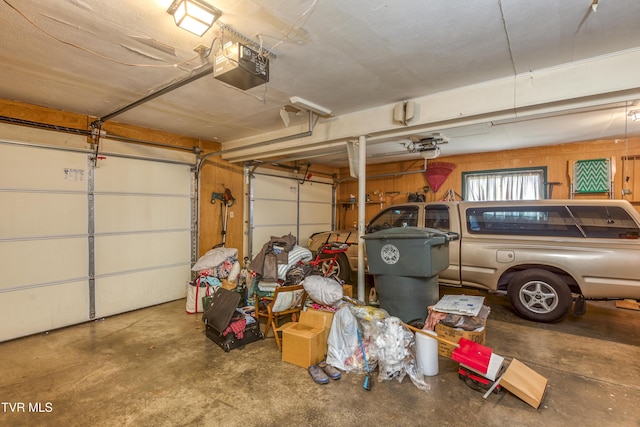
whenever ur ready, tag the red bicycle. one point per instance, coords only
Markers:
(327, 259)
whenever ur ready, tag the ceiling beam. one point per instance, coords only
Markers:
(613, 78)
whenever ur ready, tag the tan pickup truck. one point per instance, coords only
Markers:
(543, 253)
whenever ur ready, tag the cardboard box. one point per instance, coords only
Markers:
(454, 335)
(319, 318)
(525, 383)
(347, 290)
(302, 344)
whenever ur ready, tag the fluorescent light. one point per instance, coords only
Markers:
(430, 153)
(301, 103)
(194, 16)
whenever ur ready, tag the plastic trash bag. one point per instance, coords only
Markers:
(395, 347)
(343, 339)
(323, 290)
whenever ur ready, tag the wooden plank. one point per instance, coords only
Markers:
(628, 304)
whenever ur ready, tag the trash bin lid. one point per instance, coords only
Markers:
(409, 233)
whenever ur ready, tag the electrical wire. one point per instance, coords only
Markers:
(211, 47)
(235, 61)
(295, 23)
(513, 64)
(99, 55)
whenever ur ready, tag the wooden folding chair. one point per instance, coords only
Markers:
(286, 301)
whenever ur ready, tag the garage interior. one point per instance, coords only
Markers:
(122, 137)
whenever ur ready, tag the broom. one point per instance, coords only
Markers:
(368, 381)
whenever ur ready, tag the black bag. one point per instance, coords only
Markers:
(415, 197)
(219, 316)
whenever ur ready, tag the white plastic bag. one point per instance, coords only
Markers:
(323, 290)
(235, 271)
(343, 338)
(214, 258)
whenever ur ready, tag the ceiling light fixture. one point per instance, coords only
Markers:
(194, 16)
(301, 103)
(635, 115)
(430, 153)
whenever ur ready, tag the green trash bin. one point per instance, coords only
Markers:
(405, 263)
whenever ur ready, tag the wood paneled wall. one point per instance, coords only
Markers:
(215, 176)
(557, 159)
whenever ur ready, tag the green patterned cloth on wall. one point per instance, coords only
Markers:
(592, 176)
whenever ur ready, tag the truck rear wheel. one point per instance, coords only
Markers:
(539, 295)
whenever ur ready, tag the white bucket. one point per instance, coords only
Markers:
(427, 353)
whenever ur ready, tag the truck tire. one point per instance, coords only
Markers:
(539, 295)
(340, 269)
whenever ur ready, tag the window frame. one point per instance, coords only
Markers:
(541, 169)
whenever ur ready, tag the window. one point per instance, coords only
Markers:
(506, 184)
(522, 220)
(605, 222)
(437, 217)
(403, 216)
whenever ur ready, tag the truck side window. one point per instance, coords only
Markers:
(437, 217)
(522, 220)
(605, 222)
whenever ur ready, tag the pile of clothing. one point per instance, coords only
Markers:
(275, 259)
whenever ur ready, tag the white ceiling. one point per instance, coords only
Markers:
(486, 74)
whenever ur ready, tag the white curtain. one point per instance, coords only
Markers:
(514, 185)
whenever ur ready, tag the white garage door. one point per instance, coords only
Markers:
(68, 255)
(142, 233)
(281, 205)
(43, 240)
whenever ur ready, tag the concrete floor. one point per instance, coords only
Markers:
(154, 367)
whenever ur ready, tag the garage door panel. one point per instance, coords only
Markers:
(117, 174)
(314, 213)
(42, 261)
(141, 217)
(275, 212)
(42, 214)
(33, 310)
(143, 213)
(263, 235)
(126, 292)
(121, 253)
(314, 192)
(281, 205)
(275, 187)
(313, 218)
(32, 168)
(143, 244)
